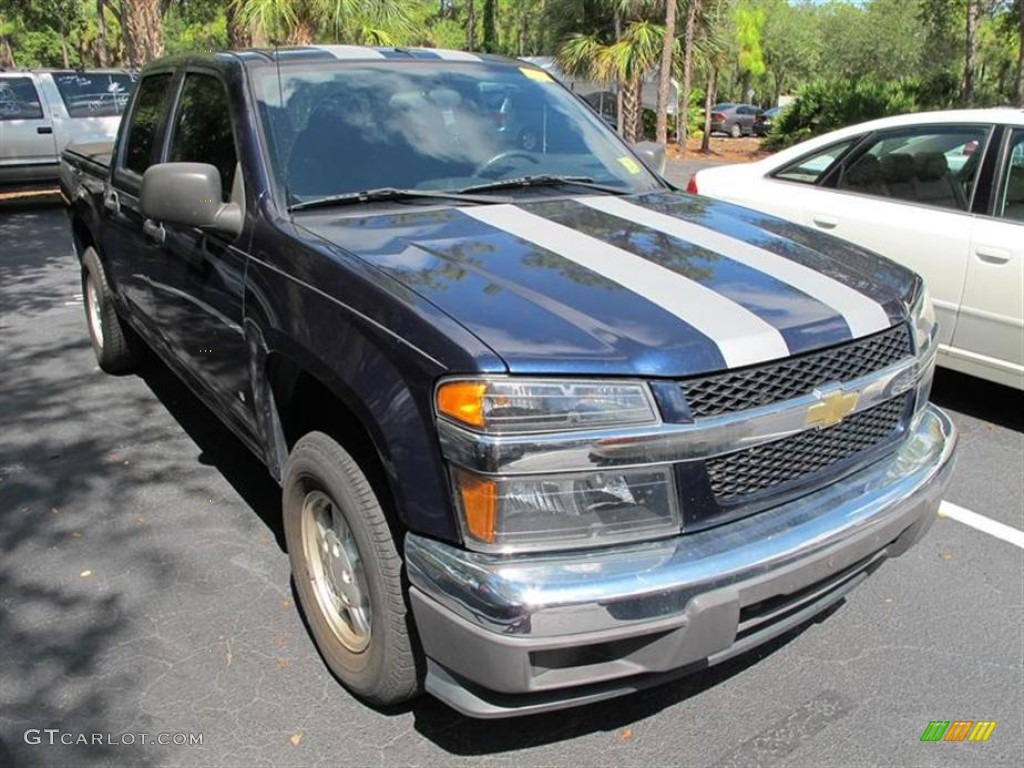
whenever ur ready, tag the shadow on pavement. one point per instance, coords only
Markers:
(58, 622)
(220, 447)
(979, 398)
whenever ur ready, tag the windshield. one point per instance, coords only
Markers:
(94, 94)
(336, 129)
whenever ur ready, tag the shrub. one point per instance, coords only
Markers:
(826, 105)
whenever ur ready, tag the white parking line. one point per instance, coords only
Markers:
(982, 523)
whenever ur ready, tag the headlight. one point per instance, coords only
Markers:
(555, 510)
(559, 511)
(923, 320)
(503, 406)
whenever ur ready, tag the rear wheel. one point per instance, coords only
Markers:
(347, 571)
(115, 348)
(735, 131)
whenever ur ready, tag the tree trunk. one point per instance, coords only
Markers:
(471, 25)
(102, 56)
(632, 109)
(709, 102)
(490, 22)
(63, 44)
(6, 54)
(238, 34)
(689, 38)
(1020, 58)
(665, 76)
(302, 33)
(142, 30)
(620, 101)
(970, 49)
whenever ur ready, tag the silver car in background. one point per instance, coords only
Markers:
(41, 112)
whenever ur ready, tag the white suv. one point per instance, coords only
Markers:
(41, 112)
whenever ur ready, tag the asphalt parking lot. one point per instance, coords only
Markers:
(144, 590)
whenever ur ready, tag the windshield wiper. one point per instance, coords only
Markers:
(543, 180)
(384, 194)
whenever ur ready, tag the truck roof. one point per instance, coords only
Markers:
(341, 53)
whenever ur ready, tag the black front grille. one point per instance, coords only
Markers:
(765, 466)
(795, 376)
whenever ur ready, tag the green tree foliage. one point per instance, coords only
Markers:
(756, 50)
(749, 19)
(825, 105)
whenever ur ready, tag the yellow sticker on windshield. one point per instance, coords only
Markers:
(629, 164)
(536, 74)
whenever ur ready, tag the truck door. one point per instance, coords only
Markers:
(131, 256)
(28, 151)
(200, 288)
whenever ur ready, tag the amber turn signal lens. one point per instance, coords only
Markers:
(462, 401)
(479, 498)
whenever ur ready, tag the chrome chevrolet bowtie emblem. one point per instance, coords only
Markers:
(833, 407)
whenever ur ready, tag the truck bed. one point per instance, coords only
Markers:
(94, 156)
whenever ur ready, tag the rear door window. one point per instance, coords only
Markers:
(145, 121)
(94, 94)
(924, 164)
(19, 99)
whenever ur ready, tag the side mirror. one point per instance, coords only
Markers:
(653, 155)
(189, 194)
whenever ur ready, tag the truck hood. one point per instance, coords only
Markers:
(660, 284)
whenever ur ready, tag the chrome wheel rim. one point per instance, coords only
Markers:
(93, 312)
(336, 571)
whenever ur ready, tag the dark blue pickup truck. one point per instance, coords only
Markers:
(548, 430)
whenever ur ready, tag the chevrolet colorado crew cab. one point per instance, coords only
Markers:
(548, 430)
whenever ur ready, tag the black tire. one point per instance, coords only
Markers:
(735, 131)
(116, 349)
(321, 475)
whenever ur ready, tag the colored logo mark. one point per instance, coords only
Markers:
(958, 730)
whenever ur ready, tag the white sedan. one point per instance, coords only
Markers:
(940, 192)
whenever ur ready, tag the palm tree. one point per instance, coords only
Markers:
(624, 61)
(299, 22)
(690, 31)
(142, 30)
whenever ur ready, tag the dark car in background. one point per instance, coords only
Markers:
(734, 119)
(763, 122)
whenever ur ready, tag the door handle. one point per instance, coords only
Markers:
(110, 202)
(825, 222)
(992, 255)
(44, 129)
(154, 231)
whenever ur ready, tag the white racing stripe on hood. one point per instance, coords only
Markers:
(741, 336)
(863, 314)
(449, 55)
(349, 51)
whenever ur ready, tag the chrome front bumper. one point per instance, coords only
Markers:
(507, 635)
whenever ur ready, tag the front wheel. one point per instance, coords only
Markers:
(347, 572)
